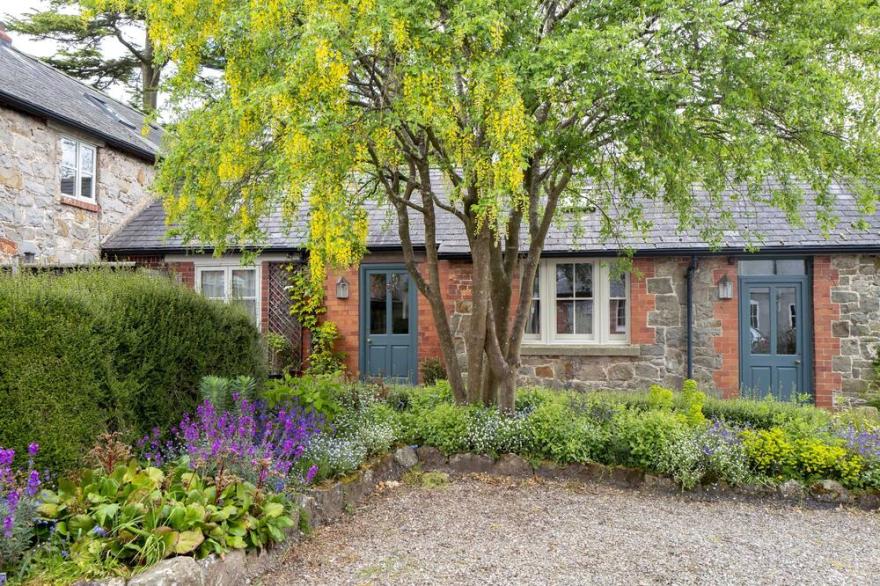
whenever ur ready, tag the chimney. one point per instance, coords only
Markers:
(5, 39)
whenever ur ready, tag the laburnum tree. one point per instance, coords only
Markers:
(529, 110)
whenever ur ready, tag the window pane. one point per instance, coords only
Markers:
(786, 320)
(795, 266)
(87, 159)
(214, 284)
(68, 153)
(533, 323)
(617, 313)
(536, 285)
(377, 304)
(583, 317)
(86, 186)
(756, 267)
(564, 280)
(564, 317)
(759, 317)
(618, 287)
(68, 181)
(583, 280)
(244, 283)
(399, 303)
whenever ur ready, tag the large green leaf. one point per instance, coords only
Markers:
(188, 541)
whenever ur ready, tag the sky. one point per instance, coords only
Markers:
(18, 8)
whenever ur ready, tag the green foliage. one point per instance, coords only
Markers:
(692, 402)
(136, 516)
(220, 390)
(766, 413)
(316, 392)
(307, 306)
(638, 438)
(432, 371)
(444, 427)
(323, 358)
(660, 397)
(779, 454)
(96, 351)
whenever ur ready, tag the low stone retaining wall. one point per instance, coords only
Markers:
(324, 504)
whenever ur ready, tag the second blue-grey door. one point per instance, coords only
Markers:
(388, 324)
(773, 340)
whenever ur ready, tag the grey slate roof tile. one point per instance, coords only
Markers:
(147, 230)
(26, 79)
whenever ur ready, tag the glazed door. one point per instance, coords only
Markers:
(388, 324)
(773, 342)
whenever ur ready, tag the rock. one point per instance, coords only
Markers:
(101, 582)
(629, 477)
(328, 504)
(792, 490)
(406, 456)
(470, 463)
(869, 501)
(830, 491)
(226, 571)
(179, 571)
(430, 457)
(358, 487)
(512, 465)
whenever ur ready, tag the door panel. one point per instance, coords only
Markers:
(772, 338)
(388, 309)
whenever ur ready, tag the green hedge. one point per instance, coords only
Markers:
(92, 351)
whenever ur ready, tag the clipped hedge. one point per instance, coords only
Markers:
(92, 351)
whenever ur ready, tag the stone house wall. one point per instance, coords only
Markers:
(32, 208)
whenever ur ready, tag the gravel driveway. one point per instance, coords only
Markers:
(494, 531)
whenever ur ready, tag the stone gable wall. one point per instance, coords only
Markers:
(32, 208)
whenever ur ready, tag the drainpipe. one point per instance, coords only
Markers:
(692, 267)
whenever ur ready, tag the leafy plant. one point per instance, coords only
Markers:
(317, 393)
(323, 358)
(139, 515)
(432, 371)
(221, 391)
(307, 306)
(701, 455)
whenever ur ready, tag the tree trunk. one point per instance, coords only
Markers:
(150, 76)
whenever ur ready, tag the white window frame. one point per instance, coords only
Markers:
(601, 306)
(79, 172)
(227, 269)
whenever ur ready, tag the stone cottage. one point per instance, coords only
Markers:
(74, 163)
(802, 316)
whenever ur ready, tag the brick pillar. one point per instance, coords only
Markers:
(826, 345)
(642, 303)
(726, 343)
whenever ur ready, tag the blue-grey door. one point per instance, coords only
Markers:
(773, 336)
(388, 323)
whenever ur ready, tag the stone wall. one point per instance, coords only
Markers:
(32, 208)
(657, 353)
(856, 295)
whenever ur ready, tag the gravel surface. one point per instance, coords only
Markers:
(481, 530)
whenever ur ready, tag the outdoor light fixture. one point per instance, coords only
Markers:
(341, 288)
(725, 288)
(28, 252)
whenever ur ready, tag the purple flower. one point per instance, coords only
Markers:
(310, 475)
(99, 531)
(33, 449)
(33, 483)
(7, 526)
(2, 578)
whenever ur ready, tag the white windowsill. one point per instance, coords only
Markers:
(532, 349)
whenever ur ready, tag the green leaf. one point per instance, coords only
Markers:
(272, 510)
(187, 541)
(106, 512)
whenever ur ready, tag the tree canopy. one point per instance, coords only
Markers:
(522, 104)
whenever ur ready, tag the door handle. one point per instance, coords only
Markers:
(797, 361)
(369, 340)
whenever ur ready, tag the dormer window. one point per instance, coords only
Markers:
(78, 169)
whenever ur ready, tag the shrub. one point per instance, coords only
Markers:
(705, 454)
(375, 426)
(432, 371)
(493, 433)
(766, 413)
(92, 351)
(637, 439)
(444, 427)
(333, 456)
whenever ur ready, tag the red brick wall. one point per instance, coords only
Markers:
(642, 303)
(726, 344)
(826, 345)
(344, 313)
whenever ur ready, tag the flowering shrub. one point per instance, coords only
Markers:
(328, 456)
(18, 491)
(249, 441)
(713, 453)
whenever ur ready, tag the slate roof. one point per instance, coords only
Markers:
(30, 85)
(757, 224)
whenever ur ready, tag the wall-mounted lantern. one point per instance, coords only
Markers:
(725, 288)
(341, 288)
(28, 252)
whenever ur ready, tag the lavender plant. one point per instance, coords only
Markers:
(18, 501)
